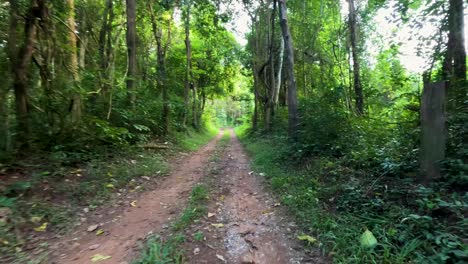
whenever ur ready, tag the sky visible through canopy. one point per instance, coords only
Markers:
(385, 33)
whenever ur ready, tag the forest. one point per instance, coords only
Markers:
(233, 131)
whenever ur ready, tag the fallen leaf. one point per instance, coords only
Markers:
(220, 257)
(196, 251)
(91, 228)
(218, 225)
(99, 232)
(99, 257)
(368, 239)
(133, 204)
(211, 214)
(308, 238)
(41, 228)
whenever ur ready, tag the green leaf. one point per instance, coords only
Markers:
(99, 257)
(41, 228)
(368, 239)
(308, 238)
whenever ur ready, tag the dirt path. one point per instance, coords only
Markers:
(243, 225)
(253, 229)
(153, 210)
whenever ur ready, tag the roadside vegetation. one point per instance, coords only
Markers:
(336, 198)
(366, 150)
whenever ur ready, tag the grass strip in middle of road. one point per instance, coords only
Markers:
(158, 250)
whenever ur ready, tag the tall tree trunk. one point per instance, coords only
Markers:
(456, 33)
(194, 107)
(73, 63)
(271, 91)
(356, 64)
(255, 73)
(255, 113)
(278, 76)
(454, 66)
(188, 71)
(131, 50)
(289, 54)
(83, 42)
(4, 114)
(104, 34)
(20, 61)
(162, 74)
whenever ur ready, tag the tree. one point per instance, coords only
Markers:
(73, 63)
(270, 92)
(20, 60)
(355, 52)
(188, 53)
(105, 55)
(161, 59)
(131, 49)
(455, 58)
(289, 54)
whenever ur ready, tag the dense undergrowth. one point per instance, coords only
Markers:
(45, 192)
(339, 181)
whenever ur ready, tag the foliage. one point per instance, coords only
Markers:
(192, 140)
(195, 208)
(161, 252)
(337, 199)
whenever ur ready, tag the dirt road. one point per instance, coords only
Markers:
(244, 224)
(254, 228)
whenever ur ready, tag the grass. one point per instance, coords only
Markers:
(192, 140)
(158, 251)
(195, 209)
(335, 203)
(161, 251)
